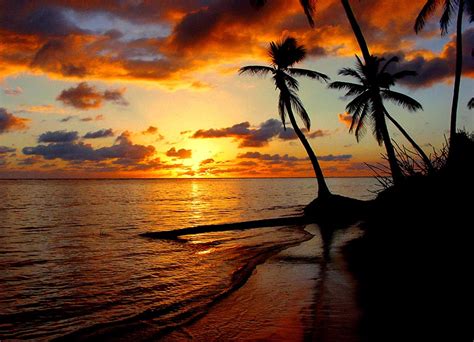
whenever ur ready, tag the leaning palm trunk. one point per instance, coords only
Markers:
(457, 76)
(357, 31)
(323, 190)
(422, 153)
(397, 174)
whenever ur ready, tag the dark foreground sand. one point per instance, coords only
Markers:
(295, 295)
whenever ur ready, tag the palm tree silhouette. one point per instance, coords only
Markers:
(283, 56)
(470, 105)
(449, 7)
(373, 87)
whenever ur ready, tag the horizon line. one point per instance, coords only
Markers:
(171, 178)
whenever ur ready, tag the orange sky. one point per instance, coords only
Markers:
(150, 88)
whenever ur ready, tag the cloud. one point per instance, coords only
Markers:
(150, 130)
(123, 151)
(6, 149)
(86, 97)
(434, 69)
(98, 117)
(29, 161)
(10, 122)
(103, 133)
(345, 119)
(207, 161)
(13, 92)
(335, 158)
(255, 137)
(46, 108)
(180, 154)
(187, 37)
(58, 137)
(269, 157)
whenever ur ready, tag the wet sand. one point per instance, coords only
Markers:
(295, 295)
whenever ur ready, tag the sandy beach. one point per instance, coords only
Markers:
(294, 295)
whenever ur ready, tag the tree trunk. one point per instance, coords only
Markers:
(457, 76)
(397, 174)
(357, 31)
(323, 190)
(422, 153)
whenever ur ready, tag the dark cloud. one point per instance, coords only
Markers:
(20, 16)
(150, 130)
(67, 118)
(10, 122)
(335, 158)
(85, 97)
(269, 157)
(103, 133)
(255, 137)
(6, 149)
(123, 149)
(58, 137)
(29, 161)
(180, 154)
(90, 118)
(439, 68)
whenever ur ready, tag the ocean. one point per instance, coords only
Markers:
(72, 262)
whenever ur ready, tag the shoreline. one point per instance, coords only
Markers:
(142, 328)
(295, 294)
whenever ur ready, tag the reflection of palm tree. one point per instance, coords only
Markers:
(449, 7)
(283, 56)
(373, 87)
(470, 105)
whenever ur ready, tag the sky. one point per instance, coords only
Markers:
(137, 88)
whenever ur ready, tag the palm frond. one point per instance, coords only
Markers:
(299, 109)
(469, 8)
(425, 12)
(292, 82)
(282, 108)
(308, 73)
(352, 73)
(401, 99)
(286, 53)
(394, 59)
(256, 70)
(445, 19)
(377, 115)
(360, 128)
(352, 88)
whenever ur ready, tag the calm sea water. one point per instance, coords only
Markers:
(71, 260)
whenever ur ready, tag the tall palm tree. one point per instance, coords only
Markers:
(449, 9)
(283, 56)
(373, 87)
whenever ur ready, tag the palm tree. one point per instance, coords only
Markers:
(283, 56)
(373, 87)
(449, 7)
